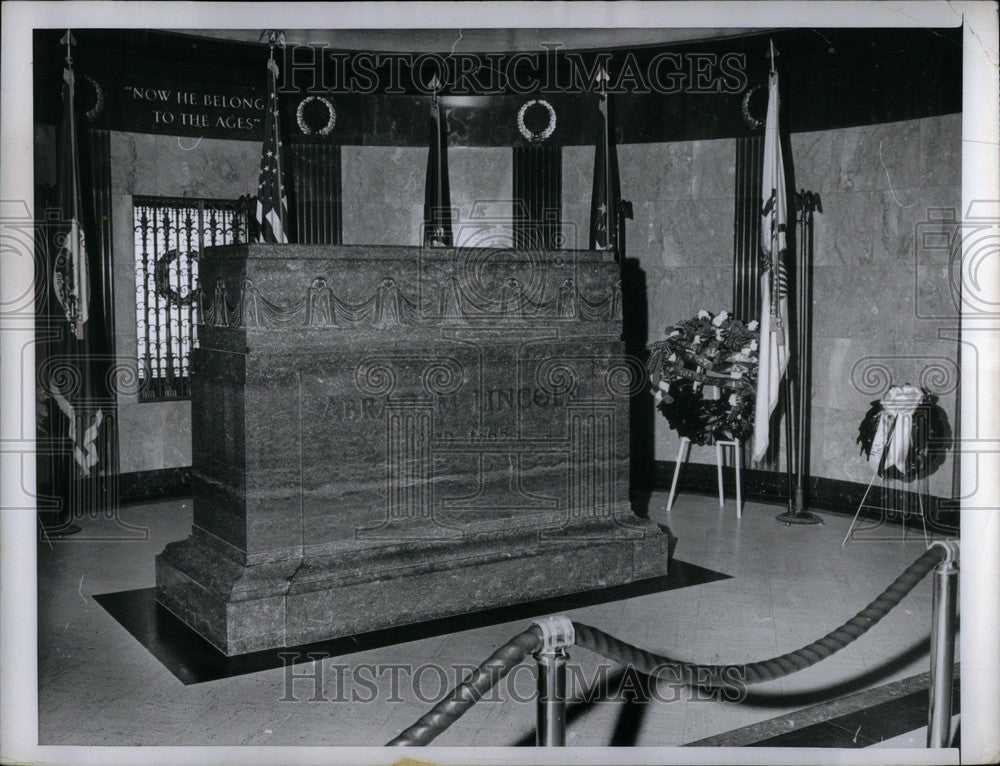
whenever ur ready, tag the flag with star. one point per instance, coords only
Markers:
(272, 202)
(607, 184)
(774, 338)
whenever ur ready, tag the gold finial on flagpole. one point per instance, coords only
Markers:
(602, 78)
(273, 37)
(69, 41)
(435, 84)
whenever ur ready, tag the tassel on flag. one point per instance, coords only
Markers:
(272, 202)
(774, 344)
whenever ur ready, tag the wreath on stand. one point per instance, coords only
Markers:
(704, 377)
(898, 430)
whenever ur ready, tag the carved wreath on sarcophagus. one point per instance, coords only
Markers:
(390, 306)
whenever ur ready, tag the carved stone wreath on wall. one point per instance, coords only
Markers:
(331, 116)
(545, 133)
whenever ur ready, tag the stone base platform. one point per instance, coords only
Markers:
(242, 609)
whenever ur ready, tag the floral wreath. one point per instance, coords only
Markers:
(704, 377)
(98, 106)
(750, 120)
(331, 119)
(549, 129)
(915, 453)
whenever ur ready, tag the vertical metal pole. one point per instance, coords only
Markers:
(556, 634)
(790, 438)
(551, 729)
(943, 646)
(803, 307)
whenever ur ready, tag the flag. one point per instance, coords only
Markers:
(70, 275)
(437, 196)
(607, 184)
(774, 345)
(76, 372)
(272, 202)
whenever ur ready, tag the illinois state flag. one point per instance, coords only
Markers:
(774, 348)
(70, 278)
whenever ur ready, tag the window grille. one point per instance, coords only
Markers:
(170, 235)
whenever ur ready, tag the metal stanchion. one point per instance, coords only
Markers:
(943, 646)
(557, 634)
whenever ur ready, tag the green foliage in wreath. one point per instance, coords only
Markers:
(704, 377)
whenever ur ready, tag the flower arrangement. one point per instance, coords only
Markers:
(704, 377)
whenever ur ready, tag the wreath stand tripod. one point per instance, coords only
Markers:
(684, 452)
(894, 492)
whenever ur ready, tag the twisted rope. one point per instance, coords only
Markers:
(504, 659)
(714, 676)
(471, 690)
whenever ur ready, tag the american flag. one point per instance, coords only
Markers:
(774, 344)
(272, 203)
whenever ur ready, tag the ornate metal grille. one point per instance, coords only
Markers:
(170, 235)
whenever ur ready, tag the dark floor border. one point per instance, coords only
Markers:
(857, 720)
(193, 660)
(834, 495)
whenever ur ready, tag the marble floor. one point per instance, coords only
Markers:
(789, 585)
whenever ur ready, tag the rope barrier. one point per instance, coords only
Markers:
(512, 653)
(714, 676)
(471, 690)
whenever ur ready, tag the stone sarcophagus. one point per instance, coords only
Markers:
(386, 435)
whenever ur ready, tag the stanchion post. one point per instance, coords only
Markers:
(942, 646)
(557, 634)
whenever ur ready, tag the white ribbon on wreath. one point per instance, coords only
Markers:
(895, 427)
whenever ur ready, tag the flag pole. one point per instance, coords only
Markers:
(609, 196)
(795, 401)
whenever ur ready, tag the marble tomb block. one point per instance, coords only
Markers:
(386, 435)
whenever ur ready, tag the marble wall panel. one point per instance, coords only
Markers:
(383, 194)
(883, 300)
(154, 435)
(481, 183)
(682, 232)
